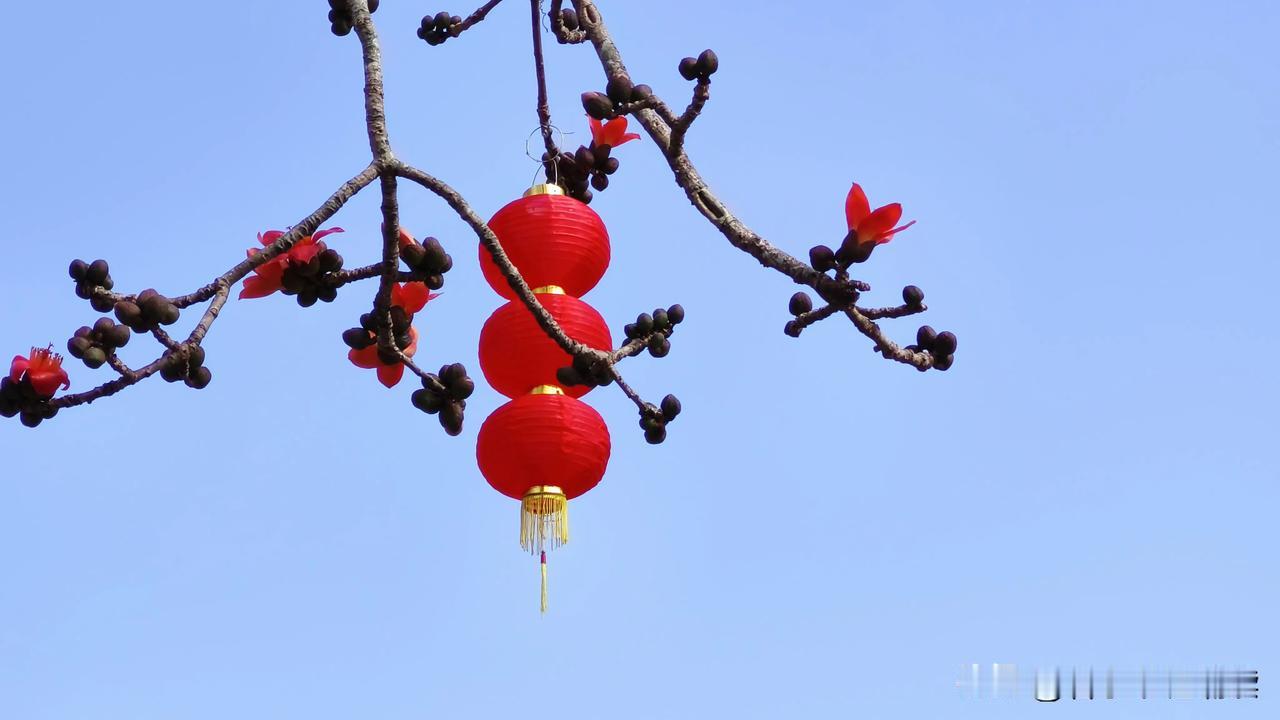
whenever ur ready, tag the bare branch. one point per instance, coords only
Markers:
(390, 259)
(886, 347)
(374, 108)
(544, 109)
(669, 141)
(473, 19)
(892, 312)
(701, 94)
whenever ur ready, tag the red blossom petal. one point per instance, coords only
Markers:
(19, 366)
(856, 207)
(879, 222)
(405, 238)
(46, 382)
(597, 131)
(269, 236)
(389, 375)
(366, 358)
(614, 130)
(259, 286)
(413, 342)
(886, 237)
(303, 254)
(330, 231)
(412, 296)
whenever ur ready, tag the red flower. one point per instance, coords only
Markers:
(388, 373)
(874, 227)
(612, 133)
(412, 296)
(267, 276)
(43, 369)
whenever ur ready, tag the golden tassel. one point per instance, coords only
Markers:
(544, 582)
(544, 519)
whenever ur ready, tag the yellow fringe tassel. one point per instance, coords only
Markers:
(544, 519)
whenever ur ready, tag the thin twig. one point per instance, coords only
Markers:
(544, 109)
(390, 259)
(473, 19)
(118, 365)
(701, 94)
(892, 312)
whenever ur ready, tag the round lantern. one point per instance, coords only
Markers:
(544, 447)
(552, 239)
(543, 440)
(516, 355)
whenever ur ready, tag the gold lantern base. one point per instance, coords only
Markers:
(544, 519)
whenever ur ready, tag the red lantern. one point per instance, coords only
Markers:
(544, 447)
(517, 356)
(552, 239)
(543, 439)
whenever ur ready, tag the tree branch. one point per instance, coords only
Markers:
(374, 108)
(669, 141)
(544, 109)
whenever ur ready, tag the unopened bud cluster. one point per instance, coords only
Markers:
(437, 28)
(654, 418)
(93, 345)
(445, 394)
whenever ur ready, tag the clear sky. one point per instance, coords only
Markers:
(825, 534)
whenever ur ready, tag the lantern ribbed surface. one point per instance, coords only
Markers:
(552, 240)
(543, 440)
(516, 355)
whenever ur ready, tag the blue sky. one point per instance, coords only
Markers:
(824, 534)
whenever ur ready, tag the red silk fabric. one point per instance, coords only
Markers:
(543, 440)
(552, 240)
(516, 355)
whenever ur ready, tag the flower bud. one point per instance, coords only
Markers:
(925, 337)
(597, 105)
(945, 343)
(199, 378)
(708, 63)
(97, 272)
(619, 90)
(800, 303)
(670, 407)
(822, 258)
(688, 68)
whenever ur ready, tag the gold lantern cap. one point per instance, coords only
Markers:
(544, 189)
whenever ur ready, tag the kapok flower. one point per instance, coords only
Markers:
(388, 373)
(410, 297)
(612, 133)
(42, 369)
(872, 227)
(267, 277)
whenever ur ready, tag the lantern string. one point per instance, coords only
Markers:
(555, 162)
(544, 581)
